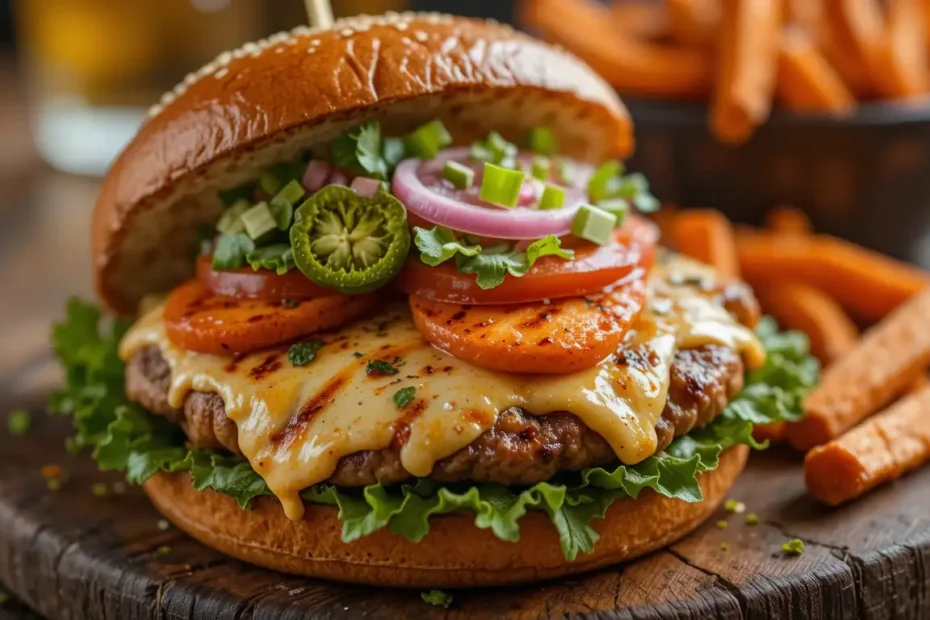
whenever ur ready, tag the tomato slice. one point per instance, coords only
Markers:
(561, 337)
(247, 283)
(197, 320)
(593, 269)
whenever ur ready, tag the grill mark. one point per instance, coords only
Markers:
(402, 427)
(270, 364)
(538, 320)
(233, 363)
(317, 404)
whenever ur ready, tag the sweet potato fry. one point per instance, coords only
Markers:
(888, 358)
(904, 68)
(707, 235)
(799, 306)
(665, 218)
(693, 22)
(630, 65)
(806, 81)
(918, 384)
(867, 284)
(882, 449)
(854, 44)
(747, 59)
(788, 220)
(643, 19)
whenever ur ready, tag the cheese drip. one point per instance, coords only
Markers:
(296, 423)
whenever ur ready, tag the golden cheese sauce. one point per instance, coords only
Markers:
(296, 423)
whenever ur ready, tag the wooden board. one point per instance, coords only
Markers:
(69, 554)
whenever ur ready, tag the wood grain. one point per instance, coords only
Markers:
(69, 554)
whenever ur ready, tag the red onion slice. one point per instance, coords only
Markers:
(462, 210)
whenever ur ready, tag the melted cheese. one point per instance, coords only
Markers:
(295, 423)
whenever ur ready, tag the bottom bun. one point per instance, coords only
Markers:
(454, 554)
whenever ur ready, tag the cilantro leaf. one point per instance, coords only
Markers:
(438, 244)
(404, 396)
(359, 150)
(303, 353)
(492, 265)
(231, 251)
(438, 598)
(279, 257)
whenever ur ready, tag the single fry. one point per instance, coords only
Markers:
(693, 22)
(770, 432)
(747, 60)
(867, 284)
(708, 236)
(628, 64)
(798, 306)
(888, 359)
(882, 449)
(788, 220)
(918, 384)
(806, 81)
(855, 42)
(904, 68)
(640, 18)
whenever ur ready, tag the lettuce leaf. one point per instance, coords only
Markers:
(125, 437)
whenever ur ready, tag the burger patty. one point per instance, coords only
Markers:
(519, 449)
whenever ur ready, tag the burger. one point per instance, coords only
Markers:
(382, 307)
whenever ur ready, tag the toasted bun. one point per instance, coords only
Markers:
(269, 100)
(454, 554)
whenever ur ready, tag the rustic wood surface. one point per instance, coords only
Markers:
(71, 554)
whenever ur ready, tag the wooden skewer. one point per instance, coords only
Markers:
(320, 13)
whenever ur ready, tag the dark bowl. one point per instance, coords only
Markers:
(865, 178)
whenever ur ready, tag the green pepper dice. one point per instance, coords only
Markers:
(350, 243)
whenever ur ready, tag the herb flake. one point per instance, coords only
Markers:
(404, 396)
(437, 598)
(380, 367)
(795, 546)
(303, 353)
(19, 422)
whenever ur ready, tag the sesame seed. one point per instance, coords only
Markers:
(420, 36)
(347, 32)
(221, 73)
(163, 525)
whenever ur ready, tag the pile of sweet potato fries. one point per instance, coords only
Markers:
(820, 56)
(868, 421)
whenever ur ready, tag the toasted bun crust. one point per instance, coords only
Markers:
(269, 100)
(454, 554)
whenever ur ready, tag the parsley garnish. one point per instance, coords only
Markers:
(491, 265)
(19, 422)
(795, 546)
(404, 396)
(359, 150)
(380, 367)
(290, 303)
(437, 598)
(303, 353)
(358, 354)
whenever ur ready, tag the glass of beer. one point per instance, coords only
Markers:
(93, 67)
